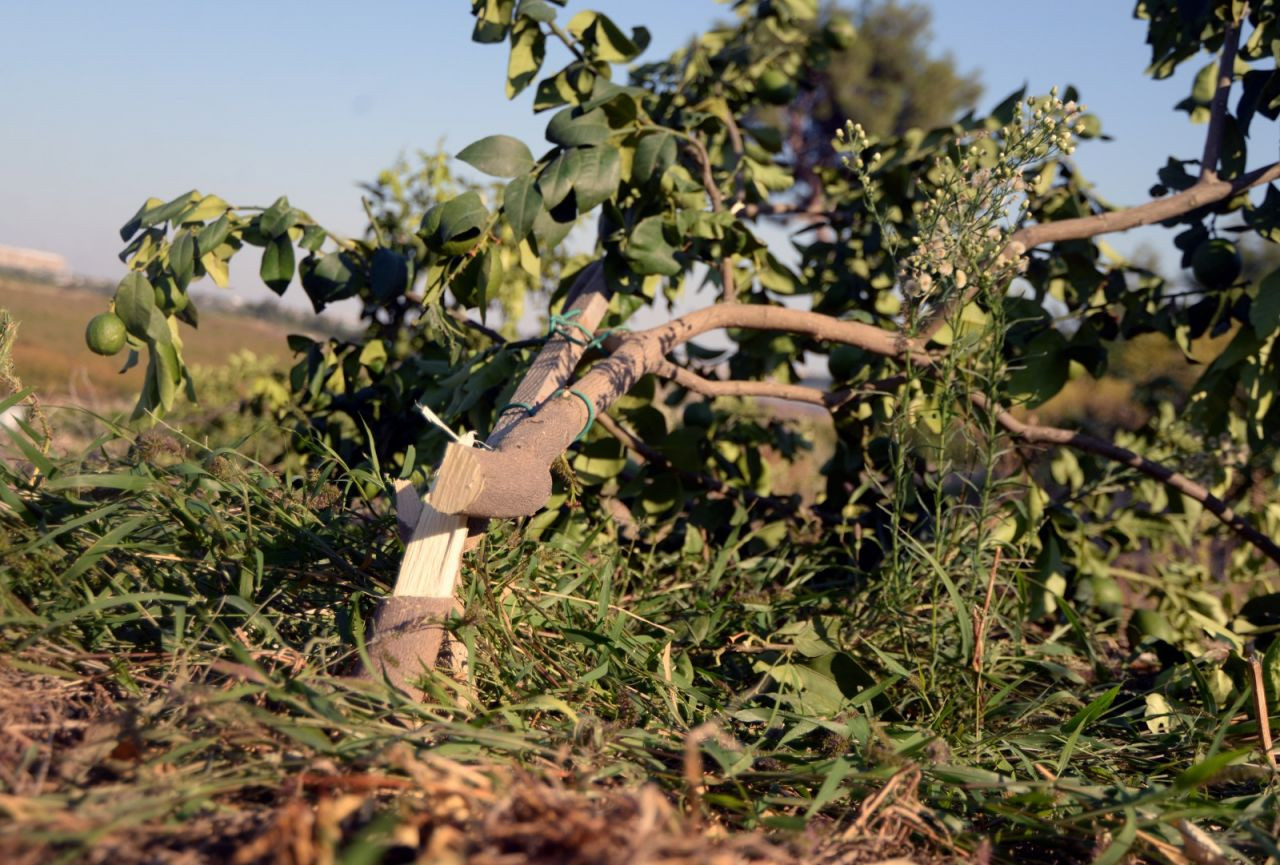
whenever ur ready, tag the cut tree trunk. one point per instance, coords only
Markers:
(409, 626)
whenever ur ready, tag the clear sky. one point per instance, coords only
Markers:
(105, 104)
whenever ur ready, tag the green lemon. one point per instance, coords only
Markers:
(1217, 263)
(170, 298)
(105, 334)
(839, 34)
(775, 87)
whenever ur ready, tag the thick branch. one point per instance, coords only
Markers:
(554, 365)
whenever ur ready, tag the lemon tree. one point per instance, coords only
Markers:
(945, 281)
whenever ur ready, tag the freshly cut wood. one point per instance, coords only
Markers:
(433, 556)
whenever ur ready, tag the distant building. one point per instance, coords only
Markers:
(35, 262)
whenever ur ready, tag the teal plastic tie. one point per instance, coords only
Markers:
(560, 325)
(521, 405)
(591, 409)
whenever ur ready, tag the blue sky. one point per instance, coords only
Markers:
(105, 104)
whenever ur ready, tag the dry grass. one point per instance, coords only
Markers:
(403, 804)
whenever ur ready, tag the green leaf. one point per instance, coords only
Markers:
(537, 10)
(598, 461)
(648, 251)
(493, 17)
(569, 129)
(130, 228)
(528, 49)
(1271, 673)
(1207, 769)
(596, 172)
(277, 263)
(499, 156)
(655, 153)
(164, 212)
(167, 368)
(549, 230)
(212, 235)
(462, 218)
(606, 39)
(135, 303)
(312, 238)
(522, 202)
(206, 208)
(1264, 312)
(278, 218)
(1206, 84)
(478, 280)
(389, 274)
(182, 258)
(1044, 369)
(556, 179)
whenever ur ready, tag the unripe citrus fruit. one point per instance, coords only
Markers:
(839, 33)
(775, 87)
(105, 334)
(1217, 263)
(169, 298)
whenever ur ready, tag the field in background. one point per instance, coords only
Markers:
(51, 356)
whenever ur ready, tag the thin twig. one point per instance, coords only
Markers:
(1206, 191)
(1177, 481)
(1222, 90)
(831, 400)
(728, 285)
